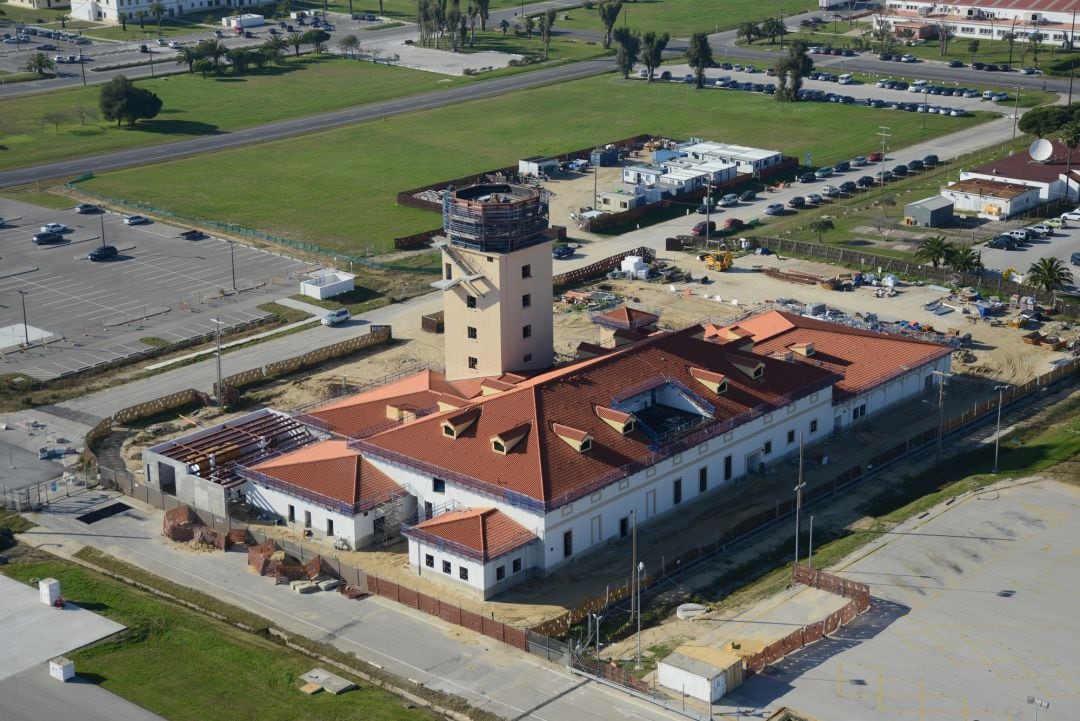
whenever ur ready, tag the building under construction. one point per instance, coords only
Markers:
(495, 218)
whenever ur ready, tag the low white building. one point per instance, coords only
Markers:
(683, 180)
(746, 159)
(246, 20)
(985, 20)
(111, 11)
(991, 199)
(538, 165)
(643, 174)
(41, 4)
(1056, 178)
(700, 672)
(616, 202)
(327, 284)
(328, 491)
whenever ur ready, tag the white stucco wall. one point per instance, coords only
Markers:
(913, 383)
(357, 530)
(693, 685)
(483, 577)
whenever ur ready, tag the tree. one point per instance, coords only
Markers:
(609, 12)
(120, 100)
(483, 6)
(1045, 121)
(546, 24)
(39, 63)
(934, 251)
(348, 45)
(626, 55)
(964, 260)
(157, 9)
(54, 118)
(748, 31)
(790, 70)
(504, 25)
(296, 40)
(204, 66)
(241, 59)
(821, 227)
(213, 49)
(64, 17)
(1070, 137)
(187, 56)
(1010, 38)
(1035, 42)
(140, 15)
(1049, 274)
(530, 25)
(699, 57)
(473, 13)
(882, 221)
(652, 51)
(973, 47)
(84, 113)
(317, 39)
(773, 28)
(275, 46)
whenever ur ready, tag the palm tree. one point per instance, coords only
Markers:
(504, 25)
(296, 40)
(1048, 274)
(748, 31)
(1035, 41)
(39, 63)
(1010, 38)
(934, 251)
(157, 9)
(546, 23)
(63, 20)
(964, 260)
(140, 15)
(771, 28)
(212, 49)
(275, 45)
(187, 56)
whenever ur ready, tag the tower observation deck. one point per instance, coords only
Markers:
(495, 218)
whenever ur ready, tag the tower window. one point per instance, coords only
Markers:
(526, 300)
(813, 426)
(527, 358)
(472, 362)
(471, 332)
(448, 271)
(526, 271)
(470, 301)
(526, 332)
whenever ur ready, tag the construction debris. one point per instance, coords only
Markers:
(329, 682)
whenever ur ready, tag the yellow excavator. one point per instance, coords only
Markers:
(717, 261)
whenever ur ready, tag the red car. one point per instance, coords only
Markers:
(874, 157)
(732, 223)
(703, 227)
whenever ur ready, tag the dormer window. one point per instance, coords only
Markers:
(619, 420)
(504, 442)
(498, 446)
(576, 438)
(759, 372)
(716, 382)
(448, 430)
(455, 425)
(586, 445)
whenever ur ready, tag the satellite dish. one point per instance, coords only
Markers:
(1041, 150)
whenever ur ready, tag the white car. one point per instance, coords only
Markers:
(174, 45)
(55, 228)
(336, 316)
(135, 220)
(1042, 229)
(1071, 215)
(908, 58)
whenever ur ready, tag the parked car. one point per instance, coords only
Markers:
(559, 252)
(978, 66)
(1042, 229)
(162, 42)
(144, 49)
(748, 195)
(865, 181)
(774, 209)
(807, 178)
(334, 317)
(875, 158)
(174, 45)
(135, 220)
(86, 209)
(46, 47)
(192, 234)
(848, 187)
(1052, 222)
(823, 172)
(900, 171)
(1071, 214)
(930, 160)
(955, 64)
(705, 208)
(1020, 235)
(104, 252)
(830, 191)
(858, 161)
(797, 202)
(703, 227)
(48, 237)
(55, 228)
(814, 199)
(1002, 242)
(729, 200)
(733, 224)
(885, 177)
(842, 167)
(916, 166)
(908, 58)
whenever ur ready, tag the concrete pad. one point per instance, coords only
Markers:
(35, 633)
(331, 682)
(33, 696)
(12, 336)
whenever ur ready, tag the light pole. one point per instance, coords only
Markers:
(997, 434)
(942, 375)
(217, 343)
(101, 217)
(232, 262)
(1038, 703)
(633, 570)
(708, 212)
(884, 133)
(26, 330)
(1016, 111)
(798, 498)
(638, 574)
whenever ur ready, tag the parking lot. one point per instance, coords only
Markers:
(80, 313)
(1061, 245)
(972, 614)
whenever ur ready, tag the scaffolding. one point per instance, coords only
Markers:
(495, 218)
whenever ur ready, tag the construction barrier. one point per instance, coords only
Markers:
(601, 267)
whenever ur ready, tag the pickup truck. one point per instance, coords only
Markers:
(192, 234)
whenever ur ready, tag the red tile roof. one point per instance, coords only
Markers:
(989, 188)
(864, 358)
(625, 318)
(542, 471)
(331, 470)
(481, 533)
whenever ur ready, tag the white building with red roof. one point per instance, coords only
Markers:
(987, 20)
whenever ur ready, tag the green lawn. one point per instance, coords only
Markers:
(17, 13)
(186, 667)
(194, 106)
(680, 18)
(398, 9)
(345, 200)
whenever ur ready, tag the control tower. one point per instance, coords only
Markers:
(496, 281)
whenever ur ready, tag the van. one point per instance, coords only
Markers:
(845, 79)
(336, 316)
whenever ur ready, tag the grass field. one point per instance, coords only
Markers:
(680, 18)
(187, 667)
(345, 200)
(18, 14)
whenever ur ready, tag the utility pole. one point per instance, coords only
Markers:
(217, 342)
(942, 375)
(232, 262)
(638, 573)
(633, 562)
(997, 434)
(810, 553)
(708, 212)
(101, 217)
(884, 133)
(26, 330)
(798, 498)
(1016, 111)
(82, 66)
